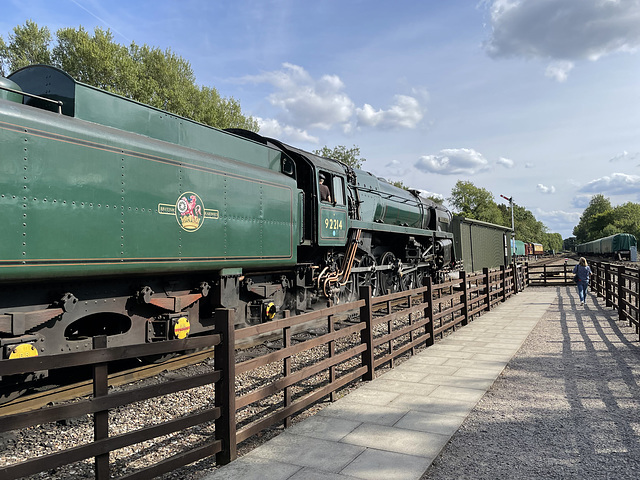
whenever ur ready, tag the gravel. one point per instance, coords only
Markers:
(566, 406)
(44, 439)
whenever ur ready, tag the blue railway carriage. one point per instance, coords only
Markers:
(622, 246)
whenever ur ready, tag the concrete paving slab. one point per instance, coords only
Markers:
(469, 382)
(309, 452)
(461, 394)
(393, 427)
(382, 465)
(395, 386)
(430, 422)
(325, 427)
(400, 440)
(425, 369)
(313, 474)
(378, 414)
(253, 467)
(442, 406)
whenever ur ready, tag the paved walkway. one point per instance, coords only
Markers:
(394, 427)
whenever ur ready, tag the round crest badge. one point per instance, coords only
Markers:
(190, 211)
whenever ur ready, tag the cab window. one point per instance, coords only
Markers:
(338, 190)
(324, 187)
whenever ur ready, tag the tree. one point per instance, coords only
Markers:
(146, 74)
(348, 156)
(475, 202)
(27, 45)
(626, 218)
(552, 241)
(593, 220)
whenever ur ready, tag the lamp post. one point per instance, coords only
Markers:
(513, 227)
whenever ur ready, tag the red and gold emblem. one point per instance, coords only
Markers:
(189, 211)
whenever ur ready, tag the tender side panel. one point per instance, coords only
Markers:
(81, 199)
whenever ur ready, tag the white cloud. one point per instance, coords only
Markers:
(270, 127)
(396, 169)
(505, 162)
(305, 101)
(559, 70)
(616, 184)
(324, 104)
(565, 30)
(406, 112)
(558, 220)
(529, 165)
(544, 189)
(581, 201)
(625, 156)
(453, 161)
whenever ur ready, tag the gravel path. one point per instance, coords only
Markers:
(566, 406)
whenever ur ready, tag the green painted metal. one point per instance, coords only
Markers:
(610, 244)
(104, 108)
(334, 225)
(518, 248)
(80, 199)
(9, 89)
(480, 244)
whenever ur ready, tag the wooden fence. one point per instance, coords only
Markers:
(301, 370)
(549, 275)
(619, 285)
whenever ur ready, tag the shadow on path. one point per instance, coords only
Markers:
(566, 406)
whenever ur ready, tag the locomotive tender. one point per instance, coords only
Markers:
(123, 220)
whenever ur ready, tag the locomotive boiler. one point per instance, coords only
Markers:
(123, 220)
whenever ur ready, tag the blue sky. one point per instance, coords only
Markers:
(535, 99)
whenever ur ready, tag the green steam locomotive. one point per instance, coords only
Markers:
(123, 220)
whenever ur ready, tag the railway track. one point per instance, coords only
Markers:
(79, 389)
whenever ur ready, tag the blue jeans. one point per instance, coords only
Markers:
(582, 290)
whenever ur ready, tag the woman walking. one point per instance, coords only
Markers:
(582, 271)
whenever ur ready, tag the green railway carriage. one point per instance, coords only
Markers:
(620, 245)
(123, 220)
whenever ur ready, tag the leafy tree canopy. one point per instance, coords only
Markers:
(349, 156)
(146, 74)
(601, 219)
(478, 203)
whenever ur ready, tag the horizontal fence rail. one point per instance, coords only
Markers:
(347, 343)
(550, 275)
(102, 402)
(619, 285)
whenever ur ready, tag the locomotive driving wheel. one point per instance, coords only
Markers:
(389, 279)
(367, 279)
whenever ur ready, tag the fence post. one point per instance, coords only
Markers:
(487, 283)
(225, 393)
(514, 274)
(503, 276)
(427, 299)
(286, 366)
(366, 335)
(621, 294)
(607, 285)
(101, 418)
(465, 298)
(332, 352)
(525, 273)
